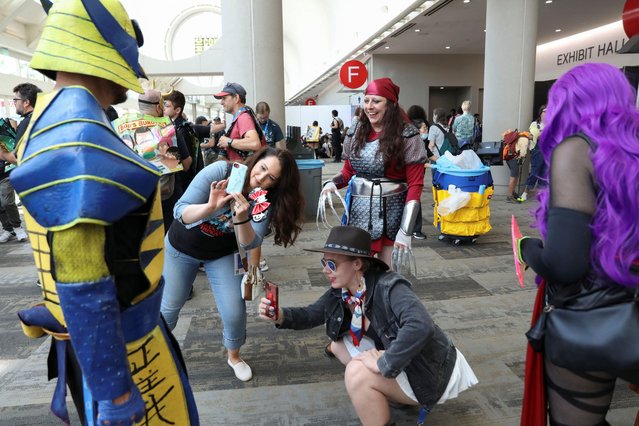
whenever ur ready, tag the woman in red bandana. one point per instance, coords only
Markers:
(384, 170)
(209, 224)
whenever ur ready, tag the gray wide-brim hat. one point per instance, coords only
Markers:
(350, 241)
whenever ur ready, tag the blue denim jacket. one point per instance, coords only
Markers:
(198, 193)
(412, 341)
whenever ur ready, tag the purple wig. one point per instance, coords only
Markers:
(596, 99)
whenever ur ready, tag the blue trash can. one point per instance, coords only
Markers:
(311, 184)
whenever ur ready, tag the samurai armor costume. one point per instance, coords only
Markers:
(94, 218)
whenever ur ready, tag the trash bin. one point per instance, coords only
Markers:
(311, 184)
(490, 153)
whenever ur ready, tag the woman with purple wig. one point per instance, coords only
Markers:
(588, 217)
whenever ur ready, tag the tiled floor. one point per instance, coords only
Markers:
(471, 291)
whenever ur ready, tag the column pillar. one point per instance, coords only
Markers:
(253, 44)
(509, 70)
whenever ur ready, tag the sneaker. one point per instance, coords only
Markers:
(242, 370)
(263, 265)
(419, 236)
(21, 234)
(510, 199)
(523, 197)
(5, 236)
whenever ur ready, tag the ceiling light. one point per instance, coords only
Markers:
(558, 30)
(441, 87)
(387, 47)
(417, 30)
(447, 47)
(548, 1)
(466, 1)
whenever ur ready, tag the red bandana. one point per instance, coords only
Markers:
(383, 87)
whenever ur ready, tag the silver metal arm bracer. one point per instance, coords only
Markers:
(409, 216)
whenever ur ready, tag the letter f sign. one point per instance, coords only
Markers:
(353, 74)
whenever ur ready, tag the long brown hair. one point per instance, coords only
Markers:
(285, 196)
(391, 141)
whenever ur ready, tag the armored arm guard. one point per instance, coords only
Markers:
(88, 299)
(409, 216)
(91, 176)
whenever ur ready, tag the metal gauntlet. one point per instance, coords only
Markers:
(409, 216)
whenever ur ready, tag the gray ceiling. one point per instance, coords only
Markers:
(461, 25)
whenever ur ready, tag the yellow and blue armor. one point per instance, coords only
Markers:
(80, 184)
(94, 217)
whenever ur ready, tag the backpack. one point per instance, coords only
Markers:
(510, 145)
(477, 133)
(193, 145)
(450, 144)
(258, 129)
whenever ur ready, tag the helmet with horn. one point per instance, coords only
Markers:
(92, 37)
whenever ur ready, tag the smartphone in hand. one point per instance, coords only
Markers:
(237, 178)
(272, 293)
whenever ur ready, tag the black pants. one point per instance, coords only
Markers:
(418, 220)
(337, 145)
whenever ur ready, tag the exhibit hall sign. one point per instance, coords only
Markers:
(596, 45)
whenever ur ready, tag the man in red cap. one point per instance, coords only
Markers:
(244, 135)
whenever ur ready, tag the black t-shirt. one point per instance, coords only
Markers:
(3, 174)
(22, 127)
(201, 242)
(184, 148)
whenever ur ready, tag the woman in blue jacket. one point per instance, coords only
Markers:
(379, 329)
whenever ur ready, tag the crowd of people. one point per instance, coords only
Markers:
(118, 262)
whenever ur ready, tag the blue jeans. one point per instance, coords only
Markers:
(179, 274)
(537, 169)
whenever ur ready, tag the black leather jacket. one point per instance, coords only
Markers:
(412, 341)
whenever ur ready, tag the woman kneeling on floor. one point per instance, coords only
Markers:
(379, 329)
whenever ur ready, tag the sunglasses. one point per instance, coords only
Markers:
(330, 263)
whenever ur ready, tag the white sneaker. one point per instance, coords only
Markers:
(5, 236)
(242, 370)
(263, 265)
(21, 234)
